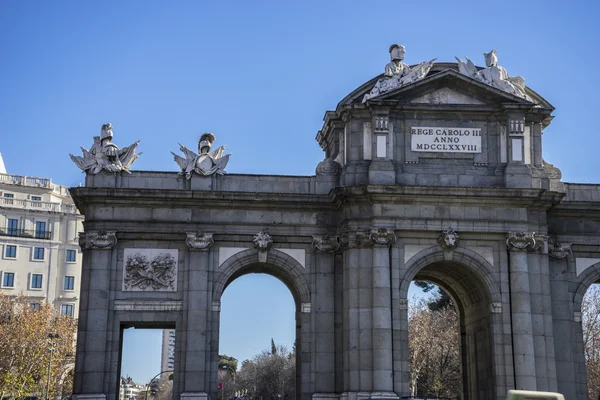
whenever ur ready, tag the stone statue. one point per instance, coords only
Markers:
(397, 73)
(396, 66)
(105, 155)
(494, 75)
(204, 163)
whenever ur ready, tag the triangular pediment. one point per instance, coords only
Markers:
(449, 87)
(445, 96)
(445, 86)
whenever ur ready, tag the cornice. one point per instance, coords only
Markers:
(529, 198)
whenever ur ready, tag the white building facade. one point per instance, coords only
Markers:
(167, 358)
(40, 256)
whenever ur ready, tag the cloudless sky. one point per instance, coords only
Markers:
(260, 75)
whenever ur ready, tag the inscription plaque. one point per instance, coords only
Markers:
(446, 140)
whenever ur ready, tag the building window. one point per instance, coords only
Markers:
(67, 309)
(8, 280)
(36, 198)
(34, 306)
(38, 253)
(9, 195)
(13, 227)
(69, 283)
(71, 254)
(40, 230)
(36, 281)
(10, 251)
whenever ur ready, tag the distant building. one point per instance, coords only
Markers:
(129, 390)
(40, 255)
(167, 360)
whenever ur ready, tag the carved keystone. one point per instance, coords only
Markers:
(448, 239)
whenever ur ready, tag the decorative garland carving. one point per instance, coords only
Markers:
(382, 236)
(448, 239)
(199, 241)
(326, 243)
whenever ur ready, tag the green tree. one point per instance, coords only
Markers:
(229, 363)
(273, 347)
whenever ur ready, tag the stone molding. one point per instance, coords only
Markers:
(382, 236)
(216, 306)
(305, 308)
(559, 251)
(448, 239)
(194, 396)
(326, 243)
(199, 241)
(525, 241)
(144, 305)
(577, 316)
(97, 240)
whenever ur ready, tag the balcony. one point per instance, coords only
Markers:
(26, 233)
(38, 205)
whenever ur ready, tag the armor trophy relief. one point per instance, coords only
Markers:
(204, 163)
(105, 155)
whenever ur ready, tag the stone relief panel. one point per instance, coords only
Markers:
(150, 270)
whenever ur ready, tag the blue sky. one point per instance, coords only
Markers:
(260, 75)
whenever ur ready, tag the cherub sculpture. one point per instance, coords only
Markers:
(105, 155)
(204, 163)
(398, 74)
(494, 75)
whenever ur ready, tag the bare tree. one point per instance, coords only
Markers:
(434, 346)
(590, 323)
(25, 348)
(270, 374)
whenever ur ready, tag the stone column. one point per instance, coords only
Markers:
(522, 327)
(195, 324)
(324, 329)
(90, 361)
(355, 334)
(382, 239)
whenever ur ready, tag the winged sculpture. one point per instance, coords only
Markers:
(493, 75)
(205, 163)
(105, 155)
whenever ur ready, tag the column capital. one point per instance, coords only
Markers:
(382, 236)
(326, 243)
(355, 239)
(525, 241)
(97, 240)
(199, 241)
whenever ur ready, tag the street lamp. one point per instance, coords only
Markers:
(226, 367)
(51, 349)
(156, 376)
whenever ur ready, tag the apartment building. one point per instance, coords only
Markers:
(167, 359)
(40, 255)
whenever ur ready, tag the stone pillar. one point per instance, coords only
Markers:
(195, 323)
(383, 381)
(522, 327)
(90, 361)
(323, 313)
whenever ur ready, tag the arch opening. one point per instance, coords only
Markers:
(468, 289)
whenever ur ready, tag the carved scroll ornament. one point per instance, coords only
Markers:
(524, 241)
(199, 241)
(326, 243)
(97, 240)
(382, 236)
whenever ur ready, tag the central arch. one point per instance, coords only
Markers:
(467, 278)
(291, 273)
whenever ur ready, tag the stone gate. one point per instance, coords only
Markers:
(431, 172)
